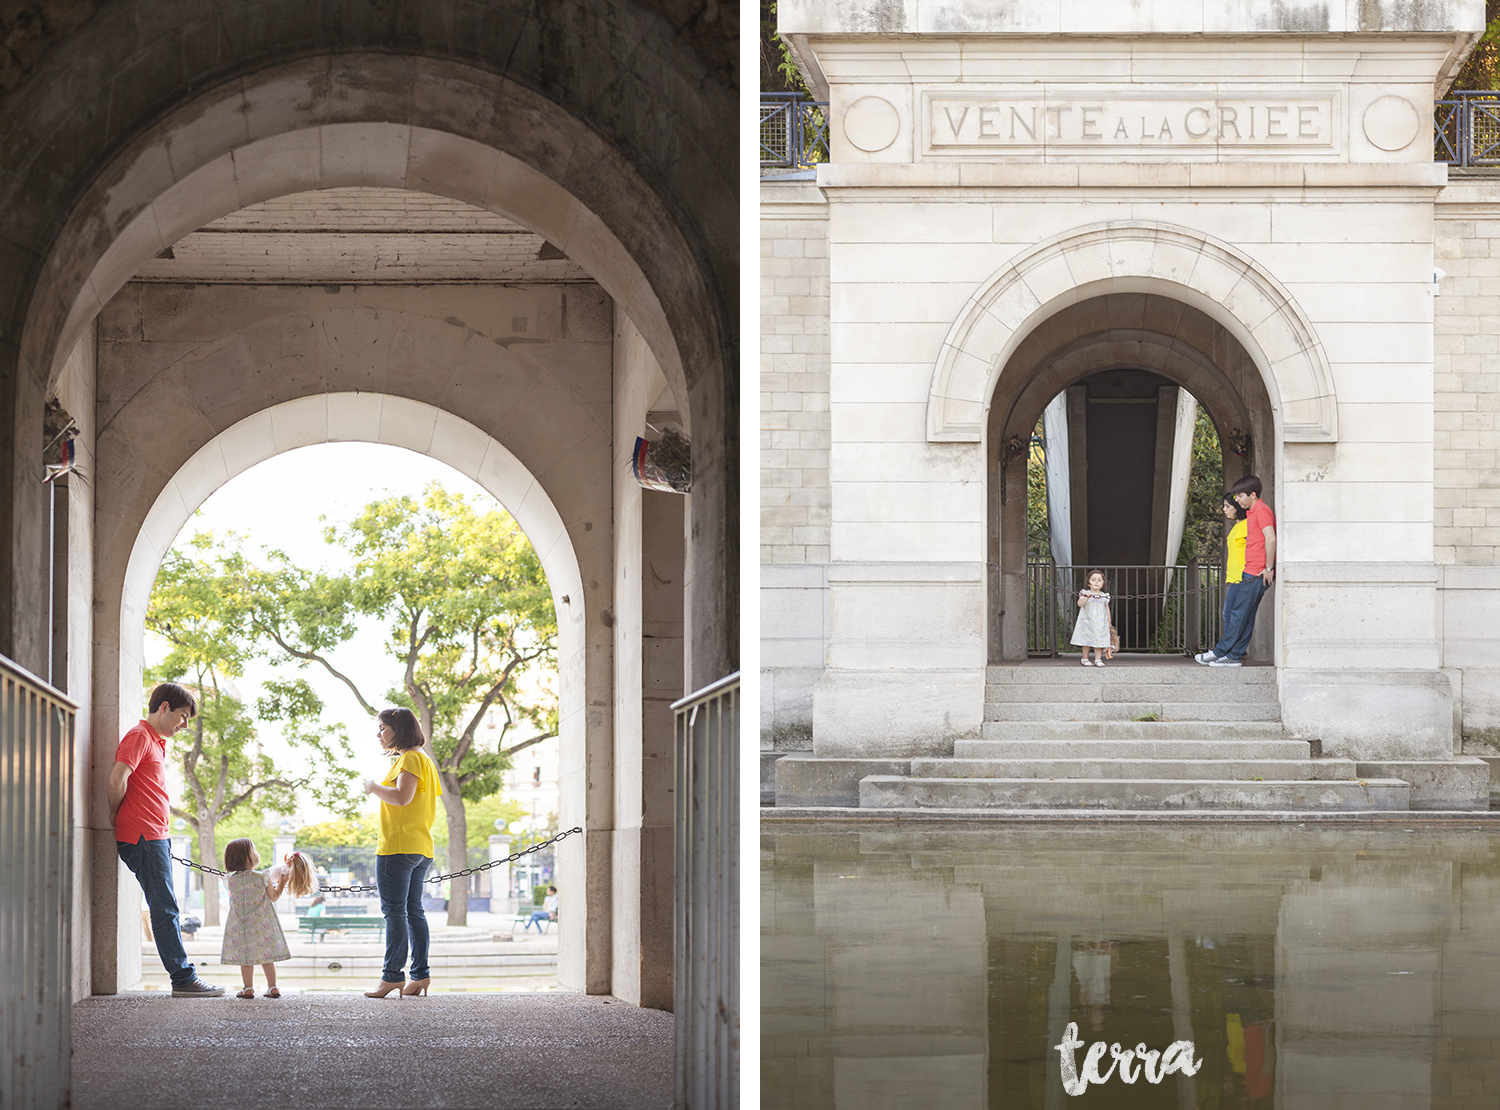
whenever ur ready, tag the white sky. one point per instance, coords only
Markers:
(278, 504)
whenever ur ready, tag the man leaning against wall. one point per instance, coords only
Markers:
(138, 809)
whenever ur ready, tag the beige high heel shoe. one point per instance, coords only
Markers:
(417, 986)
(385, 989)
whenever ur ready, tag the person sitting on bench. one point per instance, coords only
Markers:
(548, 912)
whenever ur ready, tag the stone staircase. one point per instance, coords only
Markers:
(1137, 734)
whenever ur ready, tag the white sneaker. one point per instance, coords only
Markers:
(1205, 657)
(1225, 663)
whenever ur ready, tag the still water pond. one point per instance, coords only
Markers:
(1315, 968)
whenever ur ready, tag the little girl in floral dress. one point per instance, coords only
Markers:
(1092, 629)
(252, 934)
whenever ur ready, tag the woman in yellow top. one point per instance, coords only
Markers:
(1234, 567)
(408, 806)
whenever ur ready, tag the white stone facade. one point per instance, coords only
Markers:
(1276, 177)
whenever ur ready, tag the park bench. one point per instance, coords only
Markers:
(360, 924)
(518, 923)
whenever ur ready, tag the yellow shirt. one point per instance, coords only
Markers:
(408, 829)
(1234, 570)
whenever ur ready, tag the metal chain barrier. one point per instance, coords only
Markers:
(465, 873)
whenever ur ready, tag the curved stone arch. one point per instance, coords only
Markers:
(154, 205)
(1172, 261)
(348, 417)
(1189, 367)
(415, 426)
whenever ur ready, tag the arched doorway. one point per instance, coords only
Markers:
(1149, 296)
(598, 124)
(394, 421)
(1119, 360)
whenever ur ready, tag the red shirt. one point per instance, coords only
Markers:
(144, 810)
(1260, 518)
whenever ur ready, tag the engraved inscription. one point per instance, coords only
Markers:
(1000, 120)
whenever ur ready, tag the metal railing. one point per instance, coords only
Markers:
(706, 1003)
(1466, 129)
(793, 131)
(1160, 610)
(36, 889)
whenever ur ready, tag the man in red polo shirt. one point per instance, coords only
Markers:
(1260, 572)
(138, 809)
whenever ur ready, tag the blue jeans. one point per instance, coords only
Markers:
(1241, 601)
(150, 862)
(536, 916)
(399, 879)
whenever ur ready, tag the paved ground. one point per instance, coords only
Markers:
(485, 956)
(332, 1049)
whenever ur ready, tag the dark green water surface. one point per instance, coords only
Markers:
(1319, 968)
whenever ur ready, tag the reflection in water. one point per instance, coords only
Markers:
(1313, 968)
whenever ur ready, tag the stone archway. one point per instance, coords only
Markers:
(1104, 296)
(1118, 331)
(598, 124)
(414, 426)
(362, 120)
(1221, 282)
(468, 112)
(294, 350)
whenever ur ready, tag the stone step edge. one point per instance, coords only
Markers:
(959, 815)
(1343, 770)
(1289, 751)
(1252, 674)
(1377, 783)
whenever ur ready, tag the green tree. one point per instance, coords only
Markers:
(468, 614)
(1038, 533)
(362, 831)
(778, 72)
(1203, 530)
(225, 770)
(480, 817)
(1481, 69)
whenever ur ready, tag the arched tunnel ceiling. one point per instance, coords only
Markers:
(362, 236)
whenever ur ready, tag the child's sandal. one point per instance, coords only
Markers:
(272, 993)
(248, 992)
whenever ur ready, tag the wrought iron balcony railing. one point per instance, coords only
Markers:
(1466, 129)
(793, 131)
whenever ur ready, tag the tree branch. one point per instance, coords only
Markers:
(240, 799)
(314, 657)
(527, 743)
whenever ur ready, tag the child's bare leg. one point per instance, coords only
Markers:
(247, 974)
(270, 970)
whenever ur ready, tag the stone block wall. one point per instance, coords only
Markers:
(795, 440)
(1466, 450)
(1466, 366)
(794, 375)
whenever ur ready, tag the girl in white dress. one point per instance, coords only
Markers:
(1092, 629)
(252, 934)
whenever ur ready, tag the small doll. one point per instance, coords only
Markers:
(252, 933)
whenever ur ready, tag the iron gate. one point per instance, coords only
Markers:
(1158, 609)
